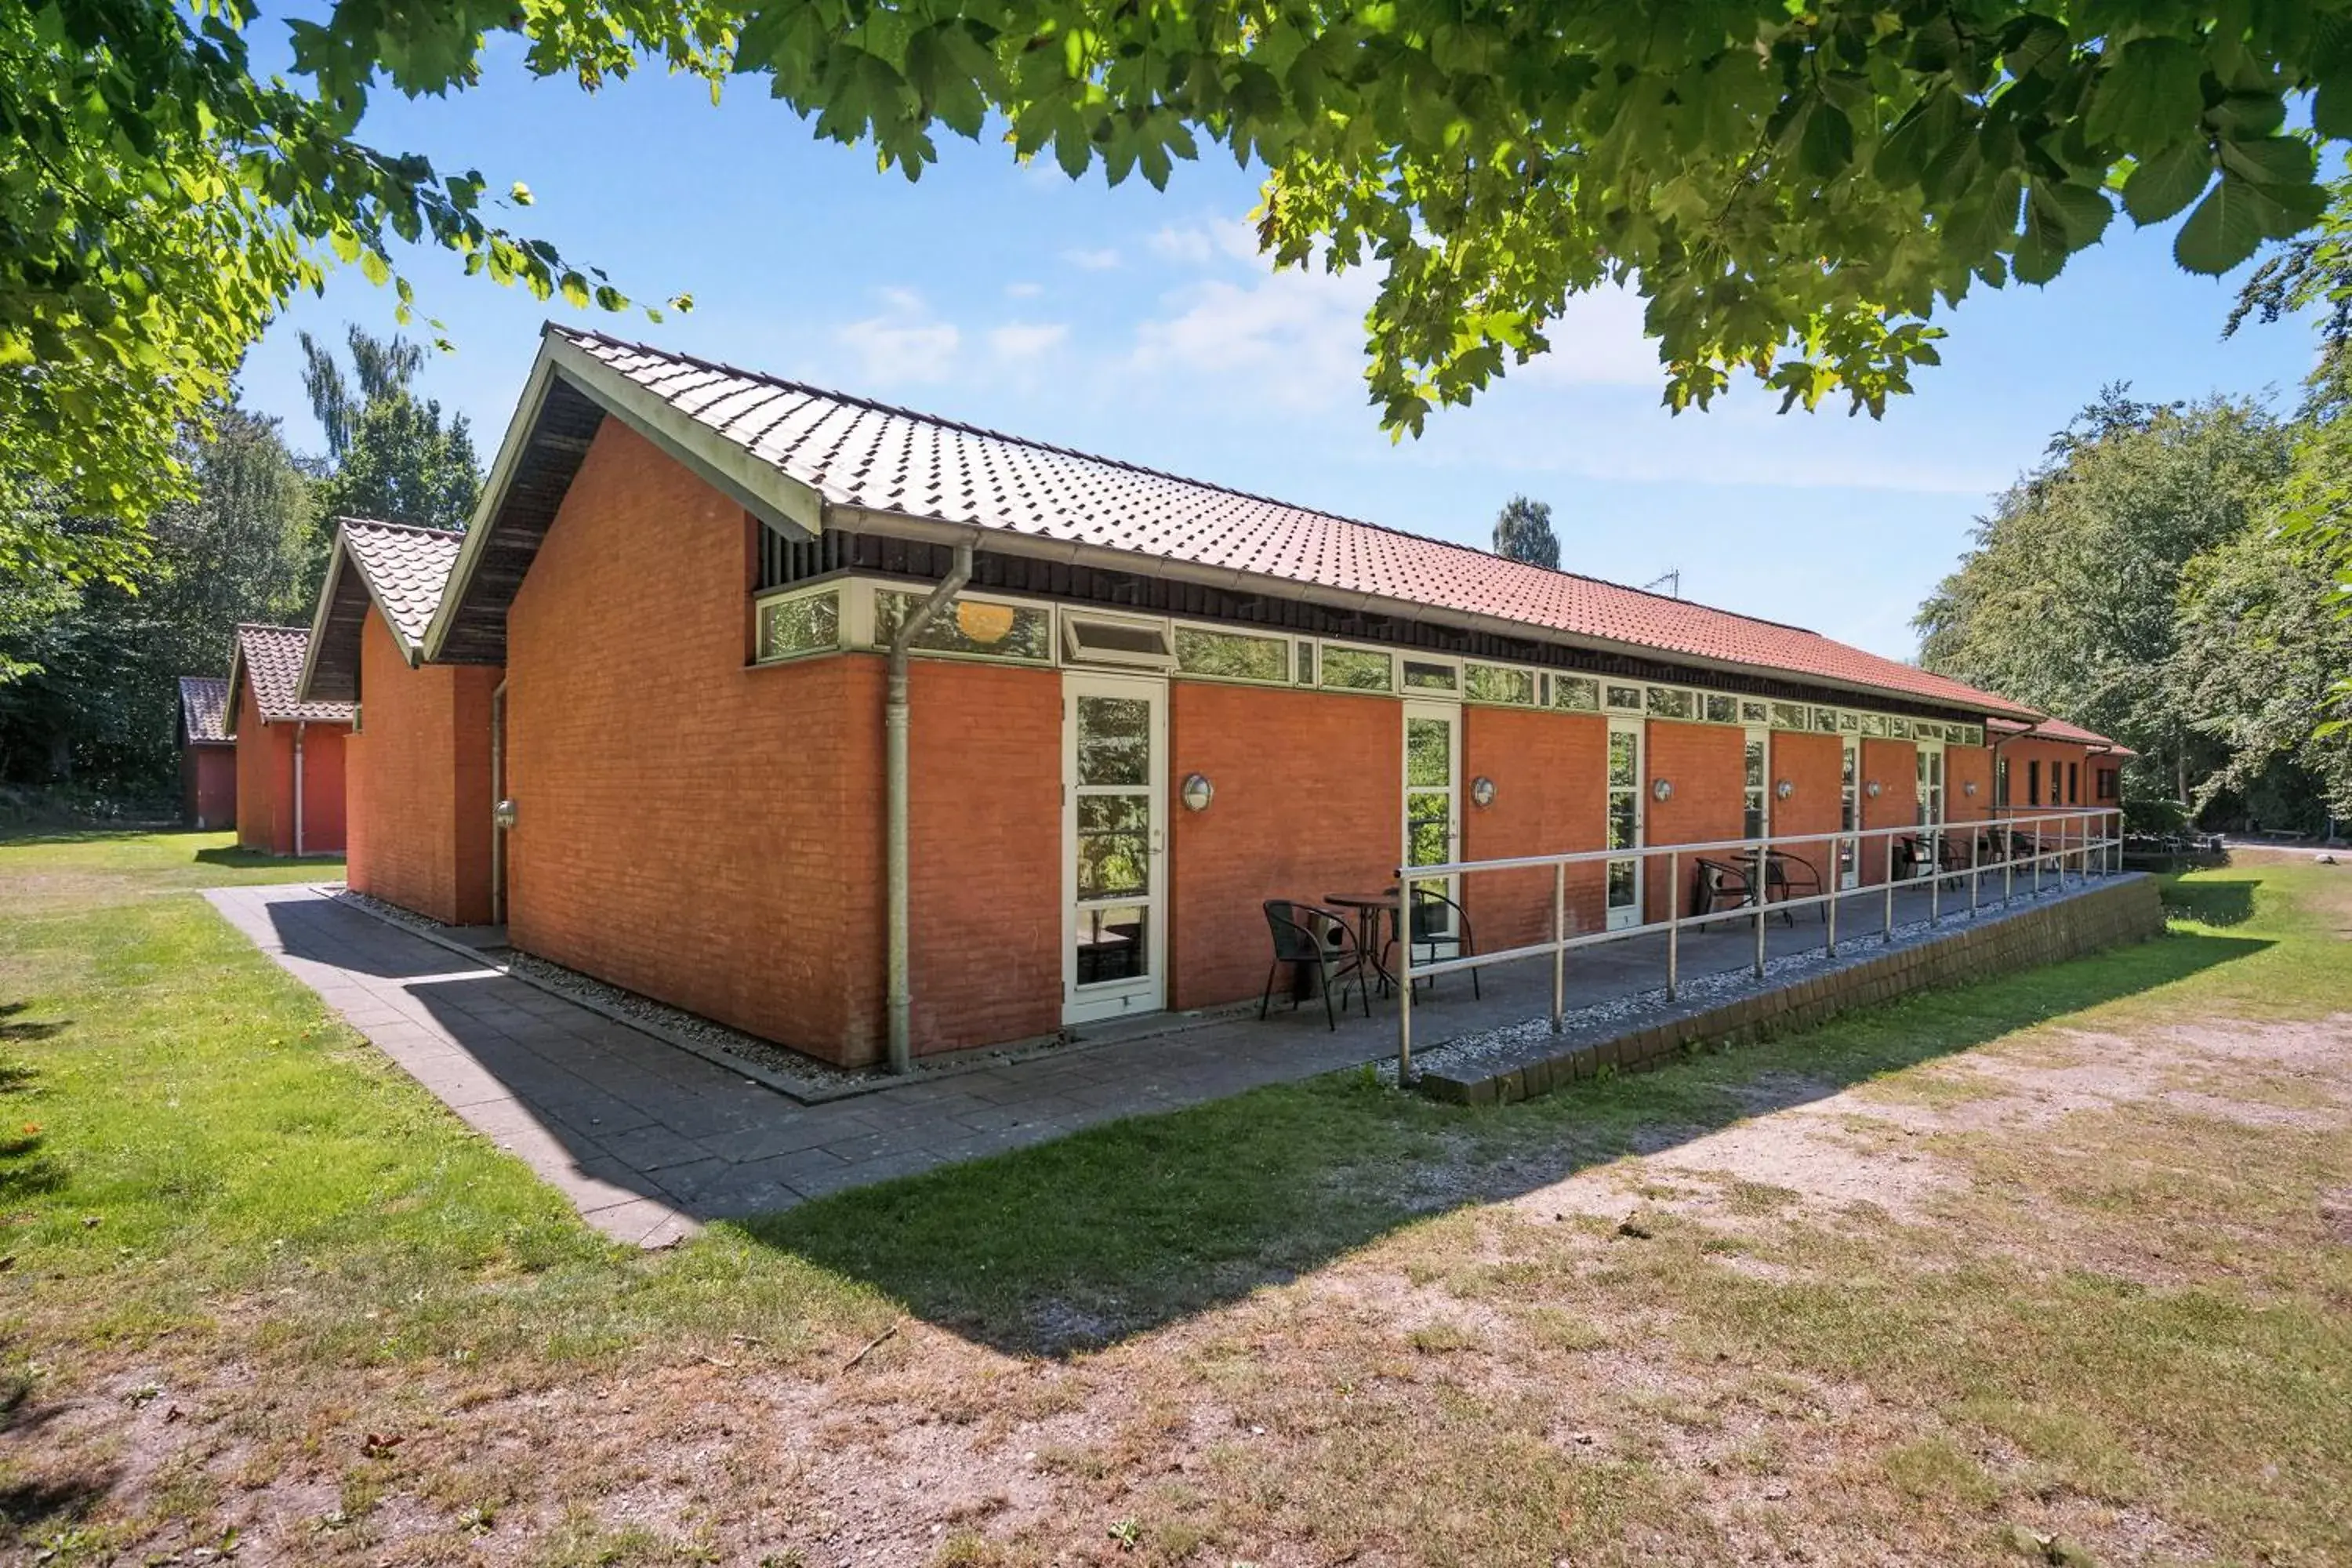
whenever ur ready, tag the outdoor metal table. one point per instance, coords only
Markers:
(1370, 908)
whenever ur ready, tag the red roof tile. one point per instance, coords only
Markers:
(406, 569)
(204, 710)
(857, 453)
(2059, 730)
(270, 659)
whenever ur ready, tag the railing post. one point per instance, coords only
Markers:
(1976, 855)
(2037, 856)
(1404, 981)
(1558, 938)
(1886, 915)
(1674, 921)
(1935, 878)
(1761, 889)
(2008, 860)
(1837, 890)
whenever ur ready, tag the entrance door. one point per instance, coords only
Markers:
(498, 793)
(1114, 819)
(1930, 759)
(1849, 850)
(1433, 804)
(1624, 898)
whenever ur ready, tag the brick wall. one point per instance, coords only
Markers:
(711, 833)
(265, 780)
(2124, 911)
(1812, 763)
(1705, 763)
(1963, 765)
(1310, 802)
(1550, 772)
(1895, 766)
(418, 786)
(208, 786)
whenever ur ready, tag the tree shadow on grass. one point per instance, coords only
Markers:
(1120, 1230)
(238, 858)
(13, 1028)
(2211, 901)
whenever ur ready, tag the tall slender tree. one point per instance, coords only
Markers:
(391, 456)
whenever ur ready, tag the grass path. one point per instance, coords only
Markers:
(2056, 1268)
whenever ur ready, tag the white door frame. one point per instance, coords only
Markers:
(1615, 917)
(1927, 759)
(1849, 845)
(1450, 714)
(1147, 992)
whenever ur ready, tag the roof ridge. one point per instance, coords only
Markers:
(348, 522)
(967, 428)
(270, 627)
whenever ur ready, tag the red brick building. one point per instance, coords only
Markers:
(290, 752)
(417, 765)
(1135, 707)
(208, 753)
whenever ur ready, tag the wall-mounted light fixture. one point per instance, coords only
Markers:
(1662, 789)
(1871, 789)
(1784, 789)
(1198, 791)
(1968, 788)
(1481, 791)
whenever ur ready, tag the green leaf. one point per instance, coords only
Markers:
(2270, 161)
(575, 290)
(2223, 231)
(1826, 146)
(521, 194)
(2147, 97)
(2166, 183)
(2331, 109)
(372, 265)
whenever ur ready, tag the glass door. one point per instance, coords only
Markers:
(1624, 896)
(1930, 760)
(1114, 812)
(1433, 804)
(1849, 849)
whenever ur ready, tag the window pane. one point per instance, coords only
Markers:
(1670, 702)
(1357, 670)
(1113, 944)
(1423, 677)
(1620, 882)
(1306, 664)
(1722, 710)
(1114, 846)
(1754, 713)
(1498, 683)
(1874, 724)
(799, 625)
(1231, 654)
(969, 626)
(1426, 817)
(1621, 821)
(1428, 752)
(1628, 698)
(1788, 716)
(1899, 728)
(1849, 721)
(1621, 760)
(1114, 740)
(1752, 820)
(1753, 762)
(1575, 692)
(1825, 721)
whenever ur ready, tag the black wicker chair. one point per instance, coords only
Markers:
(1718, 884)
(1305, 937)
(1796, 877)
(1431, 940)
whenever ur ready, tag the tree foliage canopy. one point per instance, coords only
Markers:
(392, 458)
(2146, 580)
(1795, 191)
(1523, 533)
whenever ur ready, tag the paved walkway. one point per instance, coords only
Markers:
(648, 1140)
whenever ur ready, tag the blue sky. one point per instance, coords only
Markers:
(1139, 324)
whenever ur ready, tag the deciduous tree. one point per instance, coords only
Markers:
(391, 457)
(1523, 533)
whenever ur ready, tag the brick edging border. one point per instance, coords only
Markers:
(2127, 910)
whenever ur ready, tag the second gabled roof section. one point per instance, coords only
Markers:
(399, 569)
(267, 661)
(797, 454)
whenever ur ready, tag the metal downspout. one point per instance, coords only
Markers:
(894, 731)
(298, 789)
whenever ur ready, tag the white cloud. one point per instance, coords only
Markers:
(1023, 291)
(1597, 340)
(1092, 260)
(905, 343)
(1199, 244)
(1298, 337)
(1026, 340)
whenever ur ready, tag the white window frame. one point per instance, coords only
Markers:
(1068, 630)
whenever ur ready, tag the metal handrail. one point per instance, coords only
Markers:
(2077, 847)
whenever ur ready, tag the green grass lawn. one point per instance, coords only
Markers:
(237, 1249)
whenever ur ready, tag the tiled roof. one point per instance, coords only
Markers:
(270, 659)
(857, 453)
(203, 709)
(405, 568)
(2059, 730)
